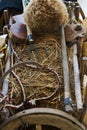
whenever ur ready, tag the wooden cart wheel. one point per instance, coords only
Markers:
(41, 118)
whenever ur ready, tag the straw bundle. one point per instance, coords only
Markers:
(84, 22)
(38, 84)
(45, 15)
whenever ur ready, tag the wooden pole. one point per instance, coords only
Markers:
(77, 79)
(7, 66)
(29, 32)
(6, 17)
(67, 94)
(84, 114)
(76, 12)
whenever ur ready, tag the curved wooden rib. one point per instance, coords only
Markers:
(43, 116)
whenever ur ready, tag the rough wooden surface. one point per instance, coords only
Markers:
(44, 116)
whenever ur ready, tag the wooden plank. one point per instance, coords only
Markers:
(77, 79)
(84, 114)
(67, 93)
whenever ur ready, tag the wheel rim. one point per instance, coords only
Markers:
(43, 116)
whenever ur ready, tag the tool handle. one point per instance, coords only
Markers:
(67, 92)
(6, 17)
(29, 32)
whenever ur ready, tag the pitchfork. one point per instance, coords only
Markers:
(30, 40)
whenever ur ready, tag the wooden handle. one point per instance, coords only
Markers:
(29, 32)
(77, 79)
(77, 11)
(67, 93)
(6, 17)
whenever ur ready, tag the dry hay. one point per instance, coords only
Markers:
(85, 22)
(38, 84)
(45, 15)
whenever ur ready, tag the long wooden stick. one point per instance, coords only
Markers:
(29, 32)
(77, 79)
(67, 99)
(84, 114)
(6, 17)
(7, 67)
(76, 12)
